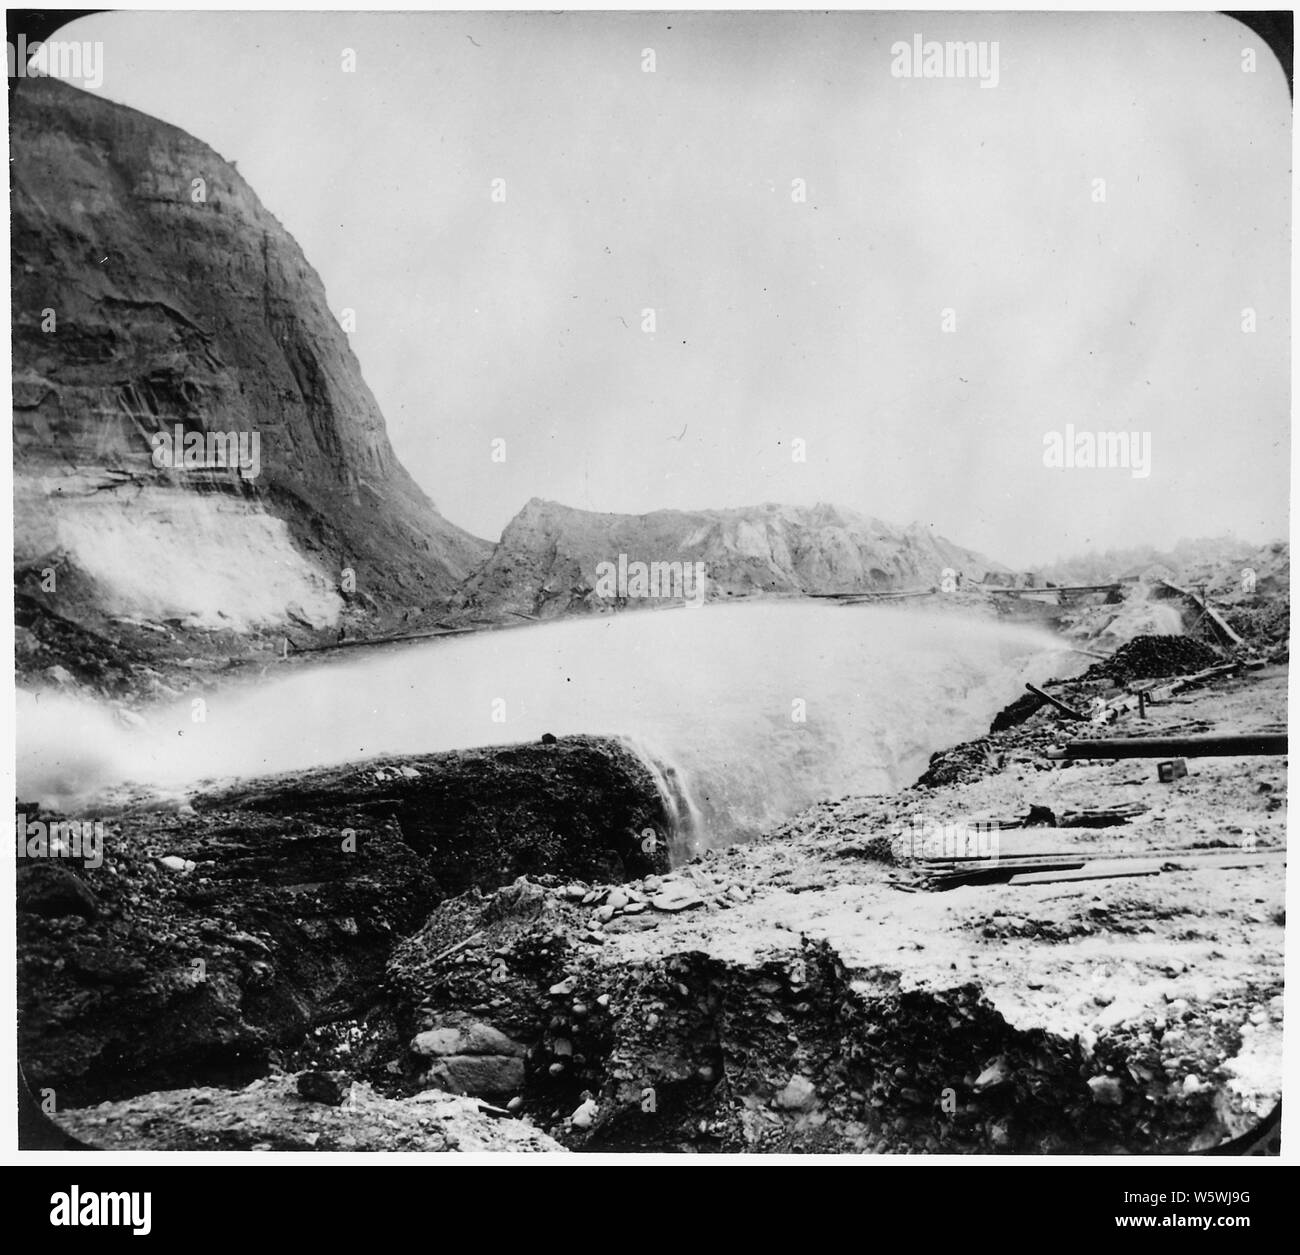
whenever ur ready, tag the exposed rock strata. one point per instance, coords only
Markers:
(150, 289)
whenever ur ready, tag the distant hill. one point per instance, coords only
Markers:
(549, 558)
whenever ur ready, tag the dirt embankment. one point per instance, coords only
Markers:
(214, 938)
(817, 990)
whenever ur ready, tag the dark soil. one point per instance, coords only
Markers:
(134, 977)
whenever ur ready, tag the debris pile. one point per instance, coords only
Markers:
(1153, 657)
(1265, 624)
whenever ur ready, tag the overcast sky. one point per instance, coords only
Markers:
(777, 319)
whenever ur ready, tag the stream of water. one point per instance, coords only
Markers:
(746, 713)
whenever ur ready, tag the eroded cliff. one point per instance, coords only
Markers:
(153, 293)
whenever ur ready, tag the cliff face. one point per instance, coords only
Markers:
(547, 563)
(151, 289)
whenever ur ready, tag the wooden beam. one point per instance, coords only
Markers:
(1091, 872)
(1214, 616)
(1163, 692)
(1068, 711)
(1054, 588)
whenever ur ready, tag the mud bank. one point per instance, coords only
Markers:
(218, 933)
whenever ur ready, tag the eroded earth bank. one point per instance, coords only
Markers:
(484, 951)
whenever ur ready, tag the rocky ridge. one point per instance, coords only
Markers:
(547, 561)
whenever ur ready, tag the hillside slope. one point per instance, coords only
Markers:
(152, 289)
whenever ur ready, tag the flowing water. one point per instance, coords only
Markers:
(745, 713)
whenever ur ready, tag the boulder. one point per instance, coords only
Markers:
(55, 892)
(469, 1039)
(799, 1094)
(330, 1088)
(476, 1074)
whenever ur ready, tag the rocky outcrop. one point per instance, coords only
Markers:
(548, 558)
(151, 292)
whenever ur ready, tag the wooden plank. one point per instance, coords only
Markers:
(1108, 869)
(992, 873)
(1225, 859)
(1090, 872)
(1164, 856)
(944, 860)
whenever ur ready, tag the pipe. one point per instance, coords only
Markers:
(1226, 746)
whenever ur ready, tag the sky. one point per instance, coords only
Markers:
(953, 287)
